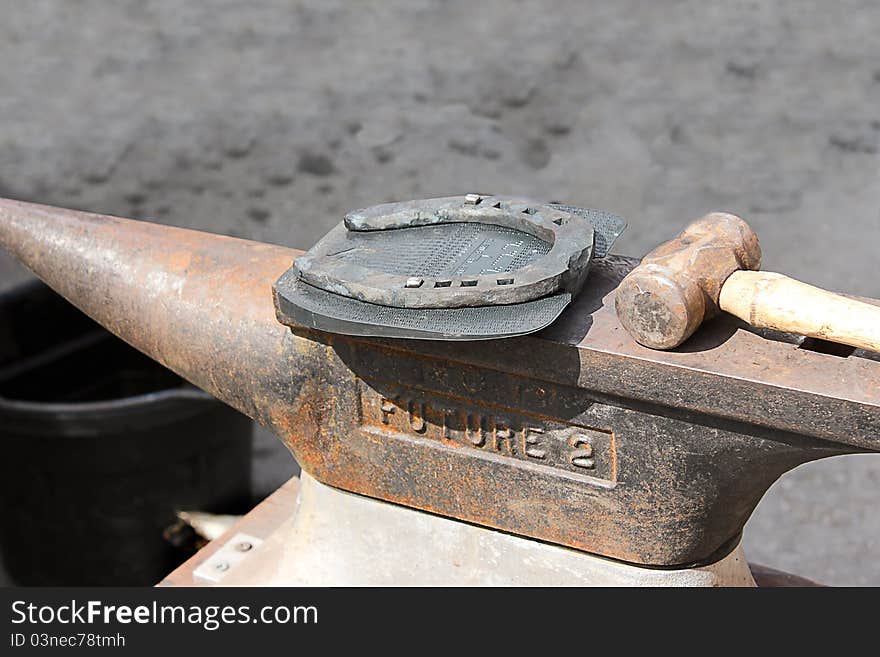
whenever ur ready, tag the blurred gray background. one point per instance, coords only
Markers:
(270, 119)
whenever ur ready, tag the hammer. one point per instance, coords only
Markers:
(712, 265)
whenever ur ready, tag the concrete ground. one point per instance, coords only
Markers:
(269, 120)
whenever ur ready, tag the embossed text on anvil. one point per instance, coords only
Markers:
(516, 436)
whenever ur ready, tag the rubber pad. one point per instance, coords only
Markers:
(300, 304)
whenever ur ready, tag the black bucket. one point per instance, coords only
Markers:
(100, 446)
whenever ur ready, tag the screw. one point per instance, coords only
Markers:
(221, 566)
(414, 282)
(244, 546)
(472, 199)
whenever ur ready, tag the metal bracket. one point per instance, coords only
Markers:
(229, 557)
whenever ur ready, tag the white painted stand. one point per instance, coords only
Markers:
(328, 537)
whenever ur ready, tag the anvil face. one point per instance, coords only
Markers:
(575, 435)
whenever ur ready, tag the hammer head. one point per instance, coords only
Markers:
(677, 285)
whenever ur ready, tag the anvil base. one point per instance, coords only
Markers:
(311, 534)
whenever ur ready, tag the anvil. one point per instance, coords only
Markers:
(575, 436)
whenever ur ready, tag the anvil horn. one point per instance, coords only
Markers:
(198, 303)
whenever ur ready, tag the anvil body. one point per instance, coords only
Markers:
(575, 436)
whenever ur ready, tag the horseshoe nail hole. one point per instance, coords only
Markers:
(505, 281)
(497, 205)
(826, 347)
(442, 283)
(530, 211)
(560, 222)
(469, 283)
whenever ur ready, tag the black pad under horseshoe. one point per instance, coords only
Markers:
(456, 268)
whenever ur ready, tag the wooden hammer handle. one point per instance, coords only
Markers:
(774, 301)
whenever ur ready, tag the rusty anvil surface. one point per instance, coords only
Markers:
(576, 436)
